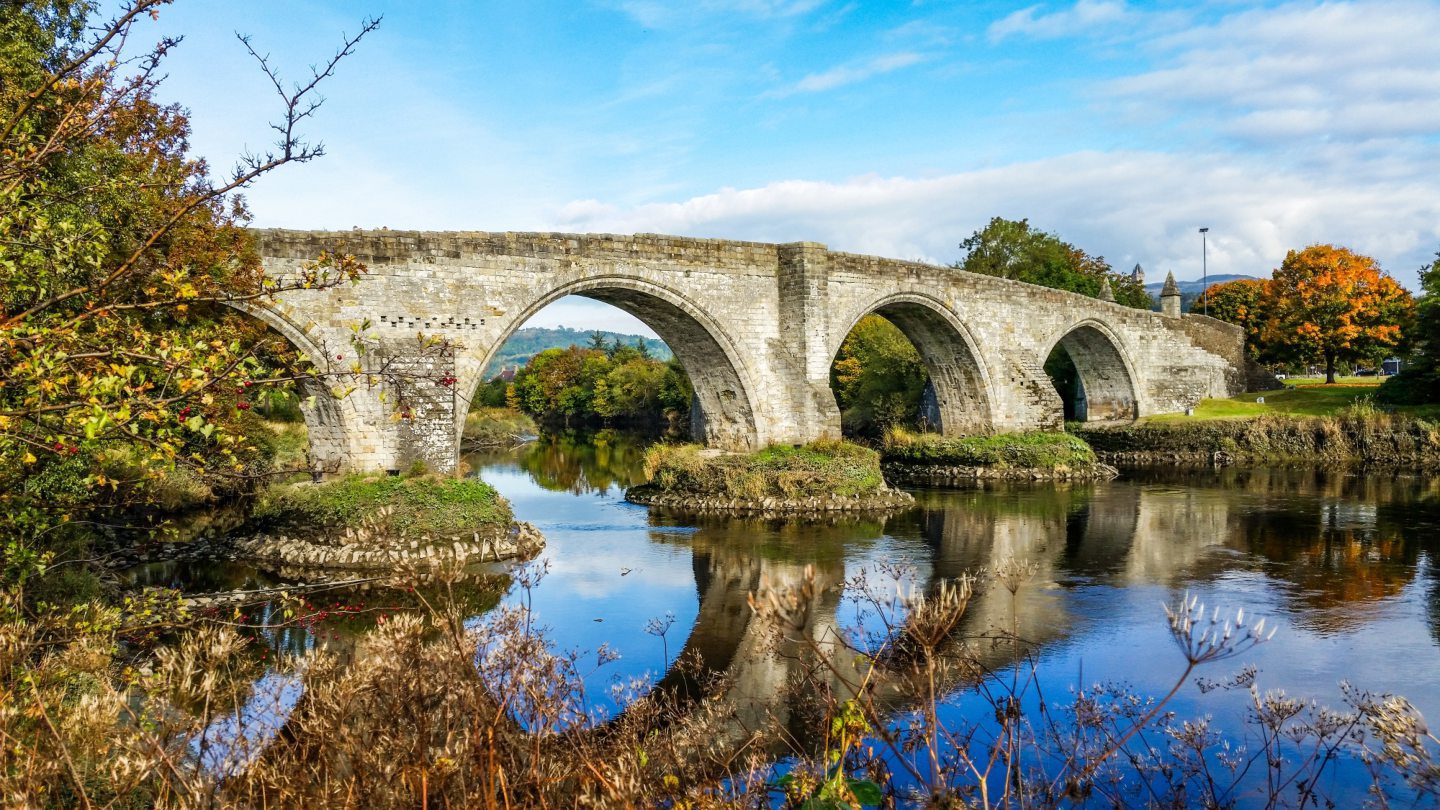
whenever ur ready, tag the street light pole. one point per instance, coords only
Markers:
(1204, 274)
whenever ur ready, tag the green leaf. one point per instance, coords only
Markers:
(865, 791)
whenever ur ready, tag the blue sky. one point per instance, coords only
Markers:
(893, 128)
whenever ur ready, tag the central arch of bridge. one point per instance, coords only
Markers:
(962, 389)
(723, 412)
(1104, 385)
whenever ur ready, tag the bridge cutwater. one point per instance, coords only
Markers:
(756, 326)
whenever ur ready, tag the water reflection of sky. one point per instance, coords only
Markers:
(1340, 564)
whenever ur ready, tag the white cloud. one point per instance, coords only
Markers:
(851, 74)
(1131, 207)
(1350, 71)
(1083, 17)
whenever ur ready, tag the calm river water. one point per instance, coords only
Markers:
(1344, 564)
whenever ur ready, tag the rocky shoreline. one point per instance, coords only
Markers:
(887, 500)
(356, 551)
(324, 555)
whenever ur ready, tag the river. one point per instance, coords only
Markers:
(1341, 563)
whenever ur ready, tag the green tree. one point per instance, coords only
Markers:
(1015, 250)
(1330, 304)
(118, 255)
(579, 384)
(878, 378)
(1419, 382)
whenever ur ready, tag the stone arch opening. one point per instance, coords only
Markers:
(323, 413)
(1092, 376)
(956, 400)
(722, 412)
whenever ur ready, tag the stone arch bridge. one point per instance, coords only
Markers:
(756, 326)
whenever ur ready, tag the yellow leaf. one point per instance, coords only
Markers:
(29, 457)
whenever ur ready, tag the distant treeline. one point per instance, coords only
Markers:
(532, 340)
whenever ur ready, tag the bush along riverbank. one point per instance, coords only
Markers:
(1382, 440)
(497, 427)
(928, 458)
(384, 523)
(821, 477)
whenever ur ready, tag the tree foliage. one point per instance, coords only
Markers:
(1330, 304)
(585, 384)
(119, 252)
(1239, 302)
(1013, 249)
(878, 378)
(1420, 381)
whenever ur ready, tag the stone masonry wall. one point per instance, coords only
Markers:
(756, 326)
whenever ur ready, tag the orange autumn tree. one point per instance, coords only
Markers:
(1329, 303)
(1238, 302)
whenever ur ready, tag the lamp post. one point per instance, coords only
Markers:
(1204, 275)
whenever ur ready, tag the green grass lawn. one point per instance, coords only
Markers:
(1310, 396)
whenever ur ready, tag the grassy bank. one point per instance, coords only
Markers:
(496, 427)
(398, 508)
(1048, 451)
(818, 469)
(1358, 436)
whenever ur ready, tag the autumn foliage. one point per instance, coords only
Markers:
(1238, 302)
(1330, 304)
(1323, 304)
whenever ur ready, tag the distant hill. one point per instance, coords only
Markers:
(1189, 290)
(530, 341)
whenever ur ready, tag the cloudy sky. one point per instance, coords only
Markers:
(892, 128)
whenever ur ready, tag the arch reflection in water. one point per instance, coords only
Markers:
(1342, 561)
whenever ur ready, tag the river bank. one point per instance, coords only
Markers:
(1375, 440)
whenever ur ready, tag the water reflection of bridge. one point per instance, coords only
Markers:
(1305, 529)
(1310, 532)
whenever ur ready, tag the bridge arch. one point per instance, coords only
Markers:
(724, 411)
(957, 372)
(325, 420)
(1105, 375)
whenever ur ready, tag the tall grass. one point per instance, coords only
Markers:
(395, 507)
(436, 710)
(821, 468)
(496, 427)
(1000, 451)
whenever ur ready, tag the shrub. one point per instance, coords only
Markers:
(494, 427)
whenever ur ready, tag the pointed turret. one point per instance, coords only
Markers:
(1170, 297)
(1106, 294)
(1138, 275)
